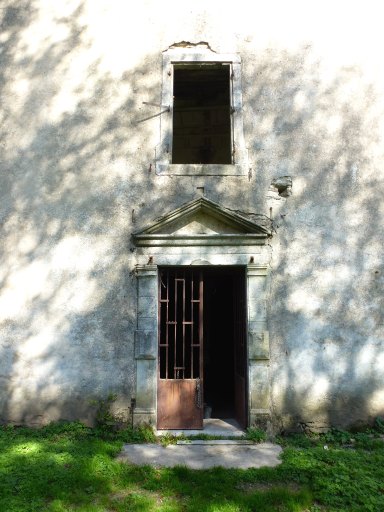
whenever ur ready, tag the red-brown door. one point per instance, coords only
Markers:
(180, 374)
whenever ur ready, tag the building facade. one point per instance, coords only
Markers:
(191, 213)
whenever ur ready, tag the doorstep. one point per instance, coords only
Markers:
(212, 427)
(202, 456)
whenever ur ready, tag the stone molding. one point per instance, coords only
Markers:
(196, 55)
(146, 335)
(243, 231)
(146, 345)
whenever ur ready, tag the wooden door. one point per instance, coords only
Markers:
(180, 368)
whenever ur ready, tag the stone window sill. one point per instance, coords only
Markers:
(200, 169)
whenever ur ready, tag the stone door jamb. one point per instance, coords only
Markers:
(146, 340)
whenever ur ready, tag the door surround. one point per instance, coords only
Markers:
(243, 243)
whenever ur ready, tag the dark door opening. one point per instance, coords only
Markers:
(224, 362)
(202, 350)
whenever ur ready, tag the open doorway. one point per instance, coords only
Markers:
(224, 344)
(202, 349)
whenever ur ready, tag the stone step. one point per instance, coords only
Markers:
(202, 456)
(209, 442)
(226, 428)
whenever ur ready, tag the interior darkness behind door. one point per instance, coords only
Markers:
(224, 343)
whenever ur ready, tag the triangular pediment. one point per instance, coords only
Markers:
(202, 222)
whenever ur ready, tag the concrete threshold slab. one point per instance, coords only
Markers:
(215, 441)
(204, 456)
(212, 426)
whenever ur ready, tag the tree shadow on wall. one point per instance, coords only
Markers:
(75, 173)
(326, 304)
(68, 195)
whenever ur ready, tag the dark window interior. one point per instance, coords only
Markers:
(201, 114)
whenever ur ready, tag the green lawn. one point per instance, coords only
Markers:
(70, 468)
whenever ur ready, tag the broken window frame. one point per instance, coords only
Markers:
(164, 166)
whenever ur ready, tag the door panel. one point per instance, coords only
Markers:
(180, 349)
(179, 404)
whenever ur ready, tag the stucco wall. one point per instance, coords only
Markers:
(77, 178)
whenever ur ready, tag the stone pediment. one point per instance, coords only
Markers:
(202, 222)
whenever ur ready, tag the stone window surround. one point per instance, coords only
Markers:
(146, 337)
(164, 165)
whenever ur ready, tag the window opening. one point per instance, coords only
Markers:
(201, 128)
(201, 114)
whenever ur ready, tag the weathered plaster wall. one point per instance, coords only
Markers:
(77, 178)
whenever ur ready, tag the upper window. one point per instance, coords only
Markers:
(202, 130)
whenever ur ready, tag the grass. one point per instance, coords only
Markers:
(69, 467)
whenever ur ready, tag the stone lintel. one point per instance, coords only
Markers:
(247, 239)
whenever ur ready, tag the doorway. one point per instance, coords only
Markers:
(202, 349)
